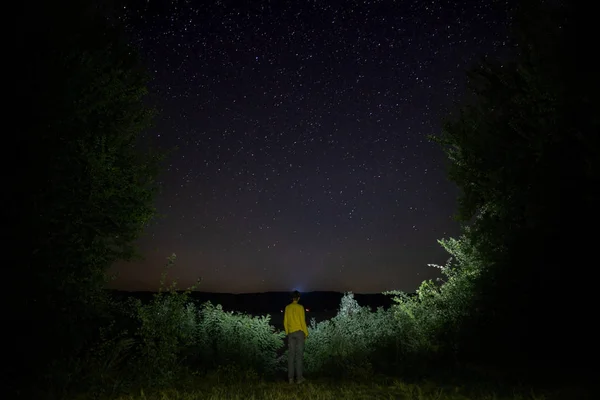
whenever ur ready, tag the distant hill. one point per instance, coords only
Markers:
(271, 302)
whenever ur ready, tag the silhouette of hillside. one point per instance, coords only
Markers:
(271, 302)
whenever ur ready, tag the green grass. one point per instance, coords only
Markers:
(325, 390)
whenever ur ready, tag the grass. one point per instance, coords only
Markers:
(323, 389)
(315, 391)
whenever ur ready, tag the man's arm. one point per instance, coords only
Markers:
(303, 322)
(285, 317)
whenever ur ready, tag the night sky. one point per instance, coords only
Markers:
(302, 126)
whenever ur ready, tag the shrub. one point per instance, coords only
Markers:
(430, 322)
(348, 343)
(106, 362)
(172, 333)
(228, 338)
(168, 327)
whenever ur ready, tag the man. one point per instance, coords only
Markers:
(294, 323)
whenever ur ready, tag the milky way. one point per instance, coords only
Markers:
(303, 159)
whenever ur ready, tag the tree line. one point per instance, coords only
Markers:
(524, 151)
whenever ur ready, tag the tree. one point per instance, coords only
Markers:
(525, 154)
(90, 182)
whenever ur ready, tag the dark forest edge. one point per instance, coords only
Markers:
(524, 151)
(269, 302)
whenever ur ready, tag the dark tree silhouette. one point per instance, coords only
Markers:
(525, 152)
(89, 185)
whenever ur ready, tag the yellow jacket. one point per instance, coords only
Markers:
(294, 319)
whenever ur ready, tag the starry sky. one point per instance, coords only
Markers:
(303, 160)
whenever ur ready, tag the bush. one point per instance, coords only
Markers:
(347, 344)
(172, 334)
(429, 324)
(106, 363)
(228, 338)
(167, 328)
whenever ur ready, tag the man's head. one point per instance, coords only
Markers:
(295, 295)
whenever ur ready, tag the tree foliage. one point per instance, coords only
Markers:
(90, 183)
(525, 154)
